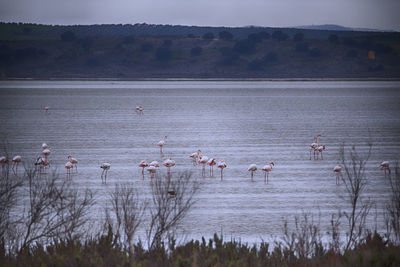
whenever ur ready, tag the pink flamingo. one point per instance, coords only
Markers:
(16, 160)
(105, 166)
(154, 163)
(338, 170)
(203, 160)
(139, 110)
(42, 163)
(46, 109)
(74, 162)
(195, 156)
(69, 166)
(211, 162)
(44, 146)
(169, 163)
(152, 170)
(143, 164)
(267, 169)
(319, 150)
(314, 145)
(46, 152)
(385, 166)
(162, 143)
(252, 168)
(222, 165)
(4, 162)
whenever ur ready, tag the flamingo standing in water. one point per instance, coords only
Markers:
(222, 165)
(252, 168)
(195, 156)
(44, 146)
(211, 162)
(46, 152)
(74, 162)
(314, 145)
(15, 161)
(105, 166)
(338, 170)
(4, 162)
(162, 143)
(169, 163)
(69, 166)
(385, 166)
(319, 149)
(42, 163)
(46, 109)
(267, 169)
(203, 160)
(152, 170)
(139, 109)
(143, 164)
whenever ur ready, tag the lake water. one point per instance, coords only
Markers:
(242, 122)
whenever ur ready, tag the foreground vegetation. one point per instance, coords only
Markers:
(162, 51)
(44, 221)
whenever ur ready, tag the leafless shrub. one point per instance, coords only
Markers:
(171, 201)
(45, 209)
(334, 232)
(305, 240)
(393, 207)
(355, 182)
(127, 215)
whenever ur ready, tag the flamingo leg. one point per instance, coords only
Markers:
(310, 153)
(252, 175)
(265, 178)
(221, 174)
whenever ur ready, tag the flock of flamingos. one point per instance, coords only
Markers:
(42, 162)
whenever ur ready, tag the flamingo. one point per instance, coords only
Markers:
(338, 170)
(319, 150)
(139, 109)
(152, 170)
(143, 164)
(267, 169)
(252, 168)
(162, 143)
(222, 165)
(74, 162)
(385, 166)
(42, 163)
(105, 166)
(16, 160)
(314, 145)
(46, 152)
(69, 165)
(211, 162)
(3, 161)
(195, 156)
(154, 163)
(169, 163)
(46, 109)
(203, 160)
(44, 146)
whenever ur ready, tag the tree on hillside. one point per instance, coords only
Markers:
(208, 36)
(225, 35)
(68, 36)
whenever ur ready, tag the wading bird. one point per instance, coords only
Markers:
(319, 150)
(105, 166)
(4, 162)
(69, 166)
(169, 163)
(162, 143)
(43, 163)
(267, 169)
(152, 170)
(222, 165)
(15, 161)
(44, 146)
(211, 162)
(338, 170)
(195, 156)
(143, 164)
(74, 162)
(314, 145)
(203, 160)
(46, 152)
(252, 168)
(385, 166)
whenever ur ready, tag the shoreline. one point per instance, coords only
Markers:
(209, 79)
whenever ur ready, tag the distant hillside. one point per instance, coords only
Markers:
(167, 51)
(332, 27)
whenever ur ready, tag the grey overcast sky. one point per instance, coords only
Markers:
(376, 14)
